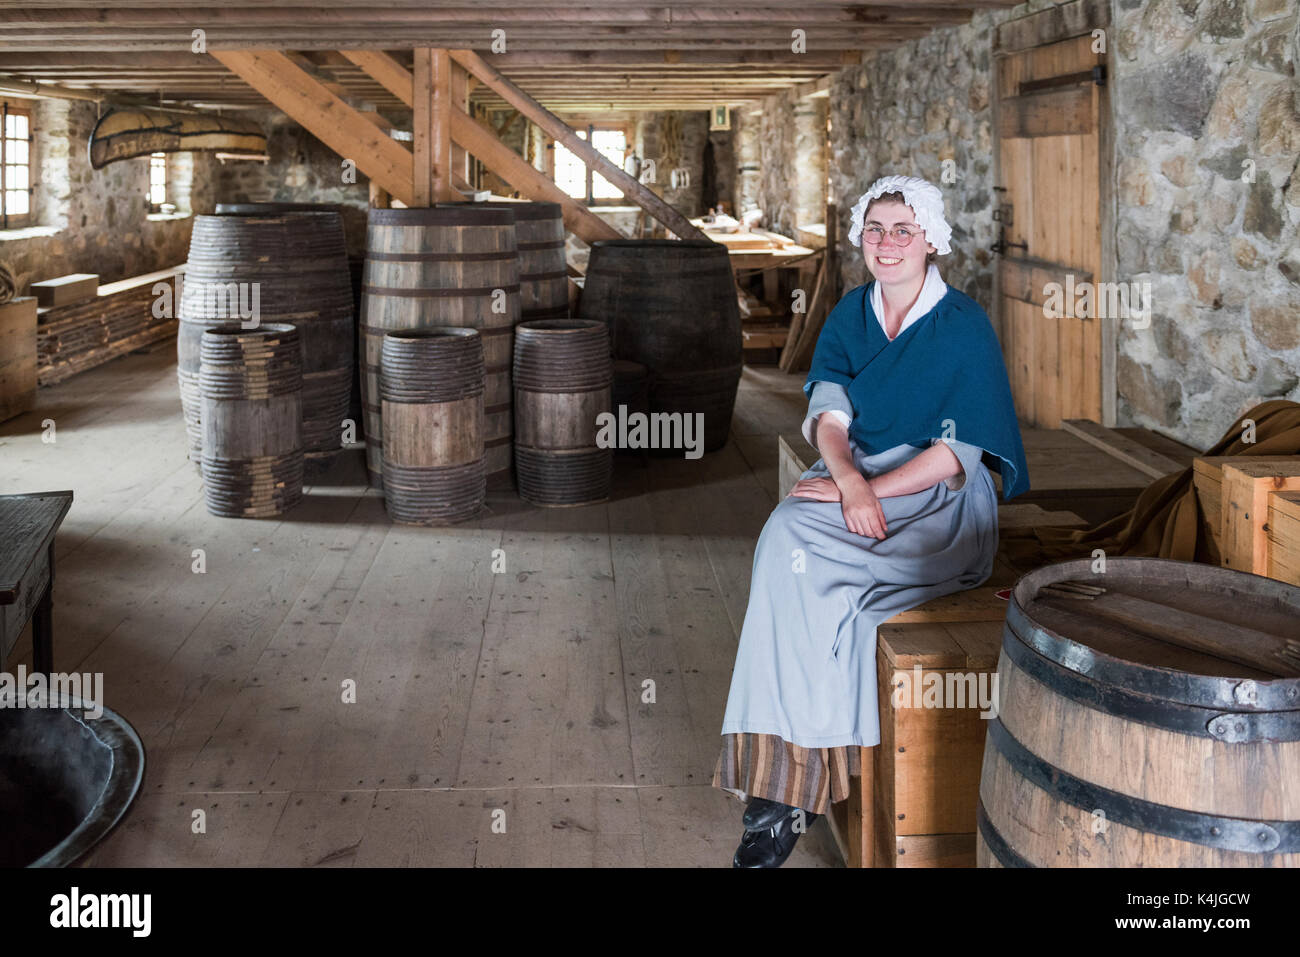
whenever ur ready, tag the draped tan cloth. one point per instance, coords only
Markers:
(1166, 521)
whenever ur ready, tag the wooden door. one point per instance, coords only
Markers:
(1051, 202)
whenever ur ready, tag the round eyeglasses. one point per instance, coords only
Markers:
(875, 235)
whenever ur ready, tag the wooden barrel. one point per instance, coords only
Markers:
(292, 267)
(1149, 716)
(250, 404)
(671, 306)
(431, 392)
(562, 375)
(445, 266)
(543, 275)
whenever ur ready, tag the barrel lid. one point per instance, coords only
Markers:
(1182, 631)
(633, 244)
(433, 332)
(470, 214)
(253, 209)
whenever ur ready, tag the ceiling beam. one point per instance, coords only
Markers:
(340, 127)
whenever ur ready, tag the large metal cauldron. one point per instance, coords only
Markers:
(65, 782)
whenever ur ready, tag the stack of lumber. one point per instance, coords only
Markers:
(120, 318)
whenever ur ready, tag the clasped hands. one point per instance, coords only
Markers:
(863, 514)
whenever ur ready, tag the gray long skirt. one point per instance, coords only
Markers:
(806, 665)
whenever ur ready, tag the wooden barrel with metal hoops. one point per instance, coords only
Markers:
(1149, 716)
(445, 266)
(250, 404)
(543, 275)
(431, 390)
(671, 306)
(563, 374)
(289, 267)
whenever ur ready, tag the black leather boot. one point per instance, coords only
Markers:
(770, 846)
(762, 813)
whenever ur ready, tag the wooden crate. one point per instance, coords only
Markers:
(17, 356)
(1247, 511)
(1207, 477)
(65, 290)
(927, 766)
(1284, 537)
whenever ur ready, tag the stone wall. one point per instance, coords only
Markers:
(746, 128)
(302, 169)
(792, 162)
(1205, 106)
(675, 141)
(96, 221)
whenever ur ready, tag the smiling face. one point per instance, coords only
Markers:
(890, 262)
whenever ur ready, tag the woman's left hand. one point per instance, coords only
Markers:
(818, 489)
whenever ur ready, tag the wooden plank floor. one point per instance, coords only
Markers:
(561, 711)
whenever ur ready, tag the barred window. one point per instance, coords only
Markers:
(15, 167)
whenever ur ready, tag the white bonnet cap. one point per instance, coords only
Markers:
(925, 199)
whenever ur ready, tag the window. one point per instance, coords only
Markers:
(16, 168)
(572, 175)
(157, 182)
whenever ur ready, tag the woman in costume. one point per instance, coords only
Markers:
(910, 407)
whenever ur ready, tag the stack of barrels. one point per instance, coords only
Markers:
(274, 267)
(453, 265)
(1148, 716)
(250, 405)
(671, 307)
(562, 376)
(431, 394)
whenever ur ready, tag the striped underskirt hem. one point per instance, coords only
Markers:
(767, 766)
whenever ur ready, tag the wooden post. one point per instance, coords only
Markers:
(422, 145)
(459, 98)
(441, 132)
(832, 253)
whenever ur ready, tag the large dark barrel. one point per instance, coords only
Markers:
(1149, 716)
(293, 267)
(250, 396)
(431, 388)
(563, 374)
(445, 266)
(671, 306)
(65, 781)
(543, 276)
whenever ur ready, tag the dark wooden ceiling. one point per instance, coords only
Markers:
(590, 56)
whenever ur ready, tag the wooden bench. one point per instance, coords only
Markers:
(914, 805)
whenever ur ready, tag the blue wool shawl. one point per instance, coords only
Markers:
(942, 377)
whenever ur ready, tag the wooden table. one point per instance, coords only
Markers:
(27, 526)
